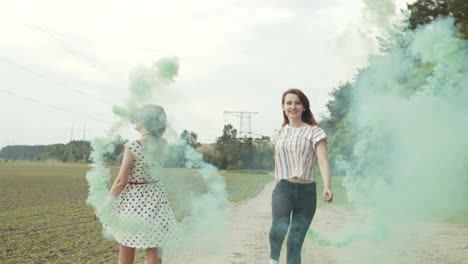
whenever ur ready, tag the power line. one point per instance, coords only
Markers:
(14, 64)
(79, 114)
(205, 124)
(53, 106)
(90, 61)
(245, 126)
(73, 129)
(11, 63)
(50, 36)
(76, 53)
(81, 56)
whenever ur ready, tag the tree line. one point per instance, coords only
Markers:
(74, 151)
(228, 152)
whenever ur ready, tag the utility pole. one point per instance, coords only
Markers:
(78, 129)
(245, 125)
(84, 132)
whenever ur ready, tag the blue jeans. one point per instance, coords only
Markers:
(293, 207)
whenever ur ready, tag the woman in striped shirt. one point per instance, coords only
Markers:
(299, 144)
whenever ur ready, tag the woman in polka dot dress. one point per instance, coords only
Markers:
(144, 216)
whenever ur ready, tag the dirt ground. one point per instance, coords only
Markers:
(246, 240)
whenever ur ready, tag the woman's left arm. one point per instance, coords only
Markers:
(322, 158)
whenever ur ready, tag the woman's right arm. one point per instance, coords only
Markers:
(125, 168)
(122, 178)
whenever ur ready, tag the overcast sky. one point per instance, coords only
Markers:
(63, 65)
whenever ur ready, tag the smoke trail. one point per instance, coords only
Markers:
(409, 106)
(206, 222)
(409, 124)
(380, 12)
(357, 41)
(203, 226)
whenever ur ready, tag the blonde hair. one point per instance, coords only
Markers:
(152, 118)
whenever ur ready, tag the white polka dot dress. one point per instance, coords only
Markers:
(145, 216)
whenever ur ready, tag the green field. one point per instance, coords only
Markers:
(44, 217)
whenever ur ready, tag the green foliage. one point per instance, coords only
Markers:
(22, 152)
(175, 157)
(228, 146)
(191, 138)
(340, 140)
(232, 153)
(176, 152)
(210, 153)
(338, 107)
(341, 145)
(425, 11)
(459, 10)
(73, 151)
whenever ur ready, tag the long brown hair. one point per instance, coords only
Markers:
(307, 115)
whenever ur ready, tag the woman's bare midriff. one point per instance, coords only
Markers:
(299, 180)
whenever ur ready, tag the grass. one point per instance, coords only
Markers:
(44, 217)
(241, 186)
(339, 192)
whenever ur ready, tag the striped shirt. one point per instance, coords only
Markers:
(295, 151)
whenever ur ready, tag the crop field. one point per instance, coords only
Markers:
(44, 217)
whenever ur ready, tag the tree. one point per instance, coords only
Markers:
(459, 10)
(247, 154)
(228, 146)
(176, 152)
(210, 153)
(338, 107)
(425, 11)
(264, 154)
(175, 156)
(191, 138)
(74, 151)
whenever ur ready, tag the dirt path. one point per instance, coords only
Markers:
(246, 241)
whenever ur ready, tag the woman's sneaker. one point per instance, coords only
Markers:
(272, 261)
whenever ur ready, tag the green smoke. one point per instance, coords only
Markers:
(409, 108)
(204, 225)
(409, 124)
(379, 12)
